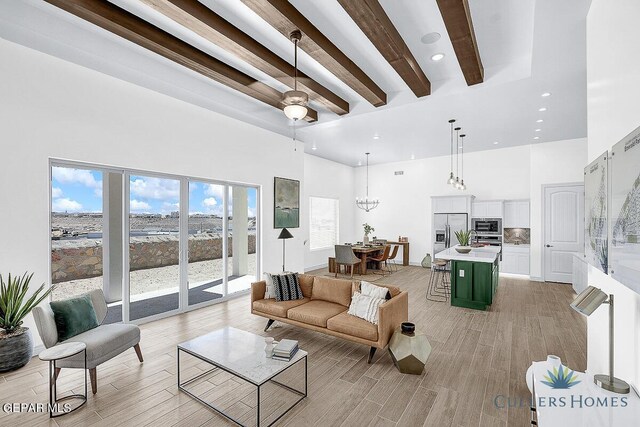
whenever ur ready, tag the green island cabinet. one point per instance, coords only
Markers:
(473, 284)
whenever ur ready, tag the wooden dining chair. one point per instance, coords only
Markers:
(346, 257)
(392, 257)
(382, 258)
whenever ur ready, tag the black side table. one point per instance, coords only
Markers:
(53, 354)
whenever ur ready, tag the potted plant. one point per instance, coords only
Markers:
(367, 230)
(16, 342)
(463, 238)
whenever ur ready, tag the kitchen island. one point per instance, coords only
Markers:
(474, 276)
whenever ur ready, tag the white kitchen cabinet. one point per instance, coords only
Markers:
(515, 259)
(516, 214)
(487, 209)
(452, 204)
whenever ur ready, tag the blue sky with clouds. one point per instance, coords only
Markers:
(80, 190)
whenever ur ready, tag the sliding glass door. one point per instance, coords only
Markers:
(154, 246)
(242, 226)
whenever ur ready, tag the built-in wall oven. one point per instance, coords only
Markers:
(491, 226)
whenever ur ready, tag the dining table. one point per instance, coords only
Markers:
(365, 251)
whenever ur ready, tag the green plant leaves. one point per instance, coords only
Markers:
(13, 307)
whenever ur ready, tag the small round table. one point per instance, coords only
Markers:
(53, 354)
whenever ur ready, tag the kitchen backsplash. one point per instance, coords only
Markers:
(520, 235)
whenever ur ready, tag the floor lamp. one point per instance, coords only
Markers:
(586, 303)
(284, 235)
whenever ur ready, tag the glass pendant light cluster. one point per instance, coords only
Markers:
(367, 204)
(295, 101)
(458, 181)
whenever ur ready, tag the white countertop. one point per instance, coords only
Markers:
(484, 254)
(513, 245)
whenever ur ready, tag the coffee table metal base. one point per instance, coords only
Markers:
(270, 380)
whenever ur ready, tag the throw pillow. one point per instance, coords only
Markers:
(365, 307)
(270, 291)
(74, 316)
(374, 291)
(287, 287)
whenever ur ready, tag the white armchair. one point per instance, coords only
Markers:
(103, 343)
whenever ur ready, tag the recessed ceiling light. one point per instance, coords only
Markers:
(495, 143)
(359, 163)
(430, 38)
(314, 147)
(544, 95)
(413, 157)
(536, 137)
(539, 121)
(538, 130)
(376, 136)
(437, 57)
(542, 109)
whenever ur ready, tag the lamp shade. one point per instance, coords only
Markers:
(589, 300)
(284, 234)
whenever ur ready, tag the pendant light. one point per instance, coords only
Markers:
(463, 186)
(451, 180)
(367, 204)
(456, 183)
(295, 101)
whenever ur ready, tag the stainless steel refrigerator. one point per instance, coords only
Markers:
(444, 228)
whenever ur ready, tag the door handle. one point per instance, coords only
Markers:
(549, 246)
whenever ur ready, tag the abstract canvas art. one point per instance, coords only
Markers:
(624, 251)
(596, 227)
(286, 202)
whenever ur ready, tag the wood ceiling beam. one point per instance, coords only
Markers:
(284, 17)
(208, 24)
(130, 27)
(374, 22)
(457, 19)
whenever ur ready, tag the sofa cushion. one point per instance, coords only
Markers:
(277, 308)
(393, 290)
(332, 290)
(287, 287)
(306, 284)
(315, 312)
(353, 326)
(365, 307)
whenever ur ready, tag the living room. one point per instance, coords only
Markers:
(104, 128)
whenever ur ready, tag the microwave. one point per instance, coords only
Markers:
(487, 225)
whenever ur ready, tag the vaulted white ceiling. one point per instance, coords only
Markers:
(527, 47)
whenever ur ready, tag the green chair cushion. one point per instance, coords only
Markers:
(74, 316)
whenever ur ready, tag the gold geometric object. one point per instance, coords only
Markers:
(409, 350)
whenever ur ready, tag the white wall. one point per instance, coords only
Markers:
(51, 108)
(551, 163)
(613, 60)
(509, 173)
(324, 178)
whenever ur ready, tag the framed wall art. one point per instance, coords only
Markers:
(596, 226)
(286, 203)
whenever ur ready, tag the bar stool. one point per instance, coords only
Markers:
(439, 284)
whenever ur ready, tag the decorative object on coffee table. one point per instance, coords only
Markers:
(16, 342)
(53, 354)
(286, 203)
(409, 350)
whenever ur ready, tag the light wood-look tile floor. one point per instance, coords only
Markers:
(476, 356)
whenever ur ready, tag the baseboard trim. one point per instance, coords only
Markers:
(37, 349)
(515, 275)
(536, 279)
(316, 267)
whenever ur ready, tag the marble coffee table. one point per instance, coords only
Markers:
(241, 354)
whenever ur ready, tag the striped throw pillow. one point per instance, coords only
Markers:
(287, 287)
(365, 307)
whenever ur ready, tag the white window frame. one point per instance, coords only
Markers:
(337, 231)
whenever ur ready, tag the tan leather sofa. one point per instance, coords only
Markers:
(324, 309)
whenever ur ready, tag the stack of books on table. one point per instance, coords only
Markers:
(285, 350)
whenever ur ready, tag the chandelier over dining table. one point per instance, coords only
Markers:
(367, 203)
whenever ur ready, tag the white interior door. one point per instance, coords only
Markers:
(563, 230)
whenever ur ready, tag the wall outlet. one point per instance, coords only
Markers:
(461, 273)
